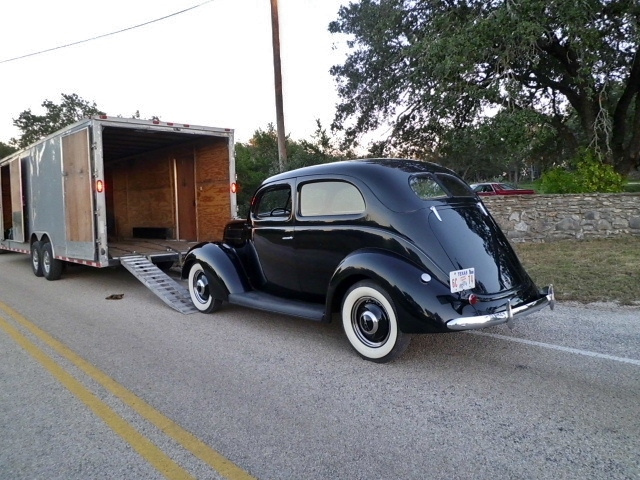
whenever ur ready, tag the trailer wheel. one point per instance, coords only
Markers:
(200, 291)
(51, 267)
(165, 266)
(36, 259)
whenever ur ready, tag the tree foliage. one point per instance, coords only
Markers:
(431, 66)
(258, 159)
(35, 127)
(6, 150)
(505, 145)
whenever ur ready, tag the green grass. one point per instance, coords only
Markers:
(586, 271)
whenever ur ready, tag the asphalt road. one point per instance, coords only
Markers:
(102, 389)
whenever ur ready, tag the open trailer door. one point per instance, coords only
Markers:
(78, 187)
(11, 202)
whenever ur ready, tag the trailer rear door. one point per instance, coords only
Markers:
(78, 187)
(11, 203)
(17, 207)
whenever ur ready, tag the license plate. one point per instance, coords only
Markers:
(462, 280)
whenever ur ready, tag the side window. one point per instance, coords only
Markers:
(330, 198)
(275, 202)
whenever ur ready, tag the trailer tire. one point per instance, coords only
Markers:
(165, 266)
(51, 267)
(36, 259)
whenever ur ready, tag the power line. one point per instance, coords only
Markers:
(106, 34)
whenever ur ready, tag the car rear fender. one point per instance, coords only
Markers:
(415, 292)
(223, 266)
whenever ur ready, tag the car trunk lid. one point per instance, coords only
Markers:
(472, 239)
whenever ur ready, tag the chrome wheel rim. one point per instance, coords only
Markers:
(200, 288)
(35, 259)
(46, 261)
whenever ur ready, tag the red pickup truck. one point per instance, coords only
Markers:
(495, 188)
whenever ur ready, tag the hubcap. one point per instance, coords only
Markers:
(45, 261)
(370, 322)
(201, 288)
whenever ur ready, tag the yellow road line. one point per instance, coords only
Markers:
(185, 438)
(139, 442)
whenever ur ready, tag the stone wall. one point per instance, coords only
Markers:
(544, 218)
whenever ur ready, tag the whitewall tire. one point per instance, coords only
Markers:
(370, 323)
(200, 291)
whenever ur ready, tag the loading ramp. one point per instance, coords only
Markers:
(161, 284)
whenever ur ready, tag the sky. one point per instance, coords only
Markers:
(212, 65)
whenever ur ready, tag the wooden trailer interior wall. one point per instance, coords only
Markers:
(140, 195)
(183, 190)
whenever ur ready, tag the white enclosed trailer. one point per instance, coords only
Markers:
(106, 190)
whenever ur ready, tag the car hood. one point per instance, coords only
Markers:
(471, 238)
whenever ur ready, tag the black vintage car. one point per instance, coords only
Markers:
(392, 247)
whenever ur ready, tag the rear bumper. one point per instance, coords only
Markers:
(507, 316)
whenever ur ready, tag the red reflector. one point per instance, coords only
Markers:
(473, 299)
(100, 186)
(234, 188)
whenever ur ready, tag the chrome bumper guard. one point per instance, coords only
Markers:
(507, 316)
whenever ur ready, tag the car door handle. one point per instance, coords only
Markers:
(288, 238)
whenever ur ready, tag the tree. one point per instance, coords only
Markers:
(6, 150)
(255, 161)
(258, 159)
(430, 66)
(511, 143)
(34, 127)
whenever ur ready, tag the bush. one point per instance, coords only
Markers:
(590, 176)
(559, 180)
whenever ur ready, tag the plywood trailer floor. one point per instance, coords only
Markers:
(155, 249)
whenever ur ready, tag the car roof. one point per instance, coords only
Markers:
(381, 175)
(367, 167)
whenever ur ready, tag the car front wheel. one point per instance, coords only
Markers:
(370, 323)
(200, 291)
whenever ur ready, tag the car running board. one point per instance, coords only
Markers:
(271, 303)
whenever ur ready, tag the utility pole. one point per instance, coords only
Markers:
(277, 75)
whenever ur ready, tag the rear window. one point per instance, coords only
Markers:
(440, 185)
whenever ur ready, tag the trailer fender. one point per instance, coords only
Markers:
(221, 264)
